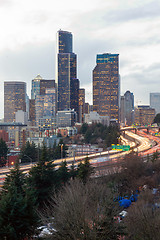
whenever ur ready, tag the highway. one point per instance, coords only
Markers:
(138, 143)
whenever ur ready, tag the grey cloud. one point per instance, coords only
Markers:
(26, 63)
(36, 17)
(149, 10)
(6, 3)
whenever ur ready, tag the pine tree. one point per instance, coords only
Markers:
(63, 173)
(84, 170)
(18, 218)
(3, 153)
(42, 178)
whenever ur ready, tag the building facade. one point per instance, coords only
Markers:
(45, 105)
(94, 117)
(14, 99)
(39, 86)
(66, 72)
(127, 109)
(106, 85)
(81, 104)
(144, 115)
(155, 101)
(66, 118)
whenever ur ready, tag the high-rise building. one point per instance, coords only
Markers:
(155, 101)
(32, 116)
(66, 72)
(144, 115)
(14, 99)
(39, 86)
(81, 104)
(106, 85)
(45, 105)
(127, 108)
(74, 95)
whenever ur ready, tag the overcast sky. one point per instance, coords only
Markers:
(128, 27)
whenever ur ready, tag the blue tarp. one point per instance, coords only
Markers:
(125, 203)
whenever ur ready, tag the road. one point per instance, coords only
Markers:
(144, 144)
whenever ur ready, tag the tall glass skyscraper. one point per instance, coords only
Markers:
(106, 85)
(66, 72)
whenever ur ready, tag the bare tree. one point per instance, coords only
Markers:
(84, 212)
(143, 219)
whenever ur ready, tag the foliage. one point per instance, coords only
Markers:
(157, 119)
(84, 170)
(42, 179)
(18, 218)
(108, 134)
(59, 151)
(83, 128)
(143, 219)
(3, 153)
(29, 152)
(63, 173)
(83, 212)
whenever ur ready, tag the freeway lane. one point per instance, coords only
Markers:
(112, 155)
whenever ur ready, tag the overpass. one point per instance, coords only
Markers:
(5, 125)
(139, 128)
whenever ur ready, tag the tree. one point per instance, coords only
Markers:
(81, 211)
(3, 153)
(42, 179)
(143, 219)
(29, 152)
(84, 170)
(84, 128)
(18, 218)
(63, 173)
(157, 119)
(60, 150)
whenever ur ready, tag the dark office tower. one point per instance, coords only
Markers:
(106, 85)
(64, 42)
(66, 69)
(14, 99)
(74, 96)
(87, 108)
(39, 86)
(81, 104)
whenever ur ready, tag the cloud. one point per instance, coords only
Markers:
(26, 63)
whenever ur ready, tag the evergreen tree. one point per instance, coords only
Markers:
(84, 128)
(18, 218)
(84, 170)
(73, 171)
(42, 178)
(3, 153)
(157, 119)
(29, 152)
(63, 173)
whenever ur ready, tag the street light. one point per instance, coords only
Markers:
(61, 150)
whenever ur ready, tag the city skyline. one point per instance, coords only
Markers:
(28, 41)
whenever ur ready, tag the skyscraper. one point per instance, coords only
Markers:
(66, 72)
(127, 108)
(155, 101)
(14, 99)
(106, 86)
(39, 86)
(81, 104)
